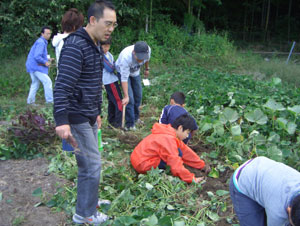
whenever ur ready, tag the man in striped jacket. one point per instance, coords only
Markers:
(77, 103)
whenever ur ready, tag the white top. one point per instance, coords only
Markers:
(109, 77)
(127, 66)
(58, 43)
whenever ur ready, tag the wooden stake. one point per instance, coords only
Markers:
(123, 116)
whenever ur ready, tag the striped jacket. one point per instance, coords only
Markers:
(78, 88)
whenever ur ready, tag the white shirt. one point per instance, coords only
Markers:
(127, 66)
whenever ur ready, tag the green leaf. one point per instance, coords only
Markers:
(218, 128)
(275, 153)
(210, 194)
(179, 223)
(165, 221)
(228, 115)
(37, 192)
(126, 220)
(51, 203)
(201, 224)
(282, 122)
(273, 105)
(236, 130)
(153, 220)
(221, 192)
(276, 81)
(170, 207)
(213, 216)
(256, 116)
(206, 126)
(291, 128)
(214, 173)
(149, 186)
(295, 109)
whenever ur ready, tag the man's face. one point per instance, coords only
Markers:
(102, 29)
(47, 34)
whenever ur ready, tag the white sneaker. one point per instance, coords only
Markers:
(132, 128)
(103, 202)
(139, 122)
(96, 219)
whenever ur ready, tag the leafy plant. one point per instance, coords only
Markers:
(28, 136)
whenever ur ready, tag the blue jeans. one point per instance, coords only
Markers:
(249, 212)
(135, 99)
(89, 168)
(36, 78)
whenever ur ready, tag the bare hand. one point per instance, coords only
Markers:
(198, 179)
(206, 169)
(125, 100)
(63, 131)
(47, 64)
(99, 121)
(146, 73)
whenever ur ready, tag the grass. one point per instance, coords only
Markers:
(158, 198)
(267, 67)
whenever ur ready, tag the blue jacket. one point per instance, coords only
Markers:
(172, 112)
(37, 56)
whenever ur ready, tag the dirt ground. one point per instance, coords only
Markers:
(18, 179)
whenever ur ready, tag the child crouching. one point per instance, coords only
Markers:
(164, 146)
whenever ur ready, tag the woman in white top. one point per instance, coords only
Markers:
(71, 21)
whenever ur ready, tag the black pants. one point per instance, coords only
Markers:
(115, 107)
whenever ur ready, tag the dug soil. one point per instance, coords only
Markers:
(18, 180)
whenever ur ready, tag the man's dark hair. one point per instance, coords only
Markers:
(186, 121)
(44, 28)
(178, 97)
(72, 20)
(295, 210)
(97, 8)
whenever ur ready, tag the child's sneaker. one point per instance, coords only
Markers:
(96, 219)
(103, 202)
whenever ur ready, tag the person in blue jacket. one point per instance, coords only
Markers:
(266, 192)
(174, 110)
(37, 65)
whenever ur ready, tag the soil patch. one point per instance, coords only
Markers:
(18, 179)
(214, 184)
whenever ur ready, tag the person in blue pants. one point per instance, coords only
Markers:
(265, 192)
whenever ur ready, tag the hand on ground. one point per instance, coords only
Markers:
(198, 179)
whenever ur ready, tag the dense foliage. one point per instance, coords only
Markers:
(263, 20)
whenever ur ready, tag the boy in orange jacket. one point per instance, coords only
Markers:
(165, 147)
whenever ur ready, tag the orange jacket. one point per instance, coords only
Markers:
(163, 144)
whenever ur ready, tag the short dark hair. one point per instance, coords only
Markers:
(178, 97)
(186, 121)
(72, 20)
(295, 210)
(97, 8)
(44, 28)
